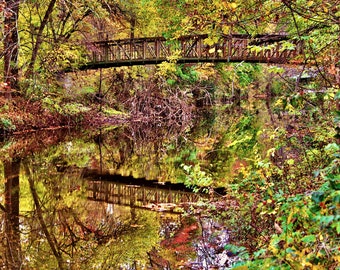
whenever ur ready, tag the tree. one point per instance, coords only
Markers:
(11, 45)
(50, 36)
(39, 37)
(47, 33)
(318, 24)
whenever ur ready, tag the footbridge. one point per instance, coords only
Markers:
(192, 49)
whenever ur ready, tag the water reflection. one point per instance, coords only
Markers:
(101, 200)
(60, 228)
(64, 216)
(160, 198)
(11, 239)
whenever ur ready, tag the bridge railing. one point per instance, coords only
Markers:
(230, 48)
(130, 49)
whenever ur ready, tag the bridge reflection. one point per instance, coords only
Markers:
(159, 198)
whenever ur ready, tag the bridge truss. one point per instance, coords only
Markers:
(192, 49)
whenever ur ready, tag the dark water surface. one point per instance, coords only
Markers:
(104, 199)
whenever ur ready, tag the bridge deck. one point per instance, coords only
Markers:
(191, 49)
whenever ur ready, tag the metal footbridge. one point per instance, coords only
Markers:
(193, 49)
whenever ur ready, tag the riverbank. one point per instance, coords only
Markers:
(20, 115)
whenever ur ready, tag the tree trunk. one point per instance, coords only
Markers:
(11, 43)
(39, 39)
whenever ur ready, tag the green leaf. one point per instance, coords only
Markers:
(337, 95)
(260, 252)
(317, 197)
(239, 251)
(337, 227)
(170, 81)
(336, 199)
(316, 173)
(309, 239)
(290, 250)
(333, 177)
(337, 117)
(335, 185)
(326, 219)
(332, 147)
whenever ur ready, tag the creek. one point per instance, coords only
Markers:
(117, 198)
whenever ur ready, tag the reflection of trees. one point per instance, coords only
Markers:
(143, 150)
(39, 212)
(12, 254)
(59, 228)
(64, 230)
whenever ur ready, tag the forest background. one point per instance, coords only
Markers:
(286, 184)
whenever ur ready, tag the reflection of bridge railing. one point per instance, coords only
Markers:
(229, 48)
(139, 196)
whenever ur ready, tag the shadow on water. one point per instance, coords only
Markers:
(100, 199)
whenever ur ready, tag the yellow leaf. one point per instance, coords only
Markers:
(291, 215)
(310, 3)
(225, 29)
(233, 5)
(212, 50)
(242, 267)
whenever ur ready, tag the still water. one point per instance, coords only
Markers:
(117, 198)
